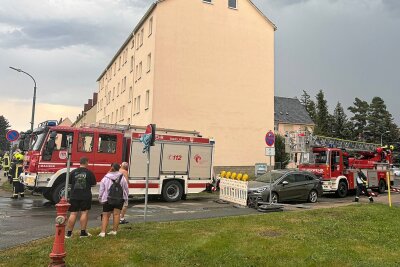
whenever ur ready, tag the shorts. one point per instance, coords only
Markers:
(109, 208)
(80, 205)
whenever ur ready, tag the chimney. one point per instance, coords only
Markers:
(85, 107)
(94, 99)
(90, 103)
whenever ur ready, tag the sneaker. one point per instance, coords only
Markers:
(68, 236)
(86, 234)
(123, 221)
(102, 235)
(371, 200)
(112, 233)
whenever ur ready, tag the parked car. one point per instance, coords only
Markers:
(286, 185)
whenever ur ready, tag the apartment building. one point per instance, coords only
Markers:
(205, 65)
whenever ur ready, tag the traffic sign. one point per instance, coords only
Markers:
(270, 151)
(12, 135)
(270, 138)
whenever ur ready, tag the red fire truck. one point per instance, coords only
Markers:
(336, 161)
(180, 163)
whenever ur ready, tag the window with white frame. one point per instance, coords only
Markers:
(138, 41)
(118, 90)
(124, 83)
(232, 4)
(132, 63)
(133, 43)
(134, 106)
(116, 115)
(137, 73)
(141, 37)
(150, 26)
(147, 103)
(130, 95)
(140, 70)
(148, 62)
(138, 104)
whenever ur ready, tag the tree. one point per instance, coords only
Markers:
(359, 119)
(280, 154)
(380, 121)
(341, 125)
(322, 122)
(4, 127)
(308, 104)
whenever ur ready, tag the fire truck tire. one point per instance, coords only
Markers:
(342, 189)
(382, 186)
(58, 192)
(47, 194)
(172, 191)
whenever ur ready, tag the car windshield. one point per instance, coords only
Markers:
(269, 176)
(37, 141)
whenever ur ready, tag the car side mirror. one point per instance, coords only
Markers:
(285, 183)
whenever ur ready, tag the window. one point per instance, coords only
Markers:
(137, 73)
(124, 84)
(140, 70)
(126, 54)
(116, 115)
(129, 121)
(141, 37)
(113, 93)
(130, 95)
(134, 106)
(290, 178)
(109, 97)
(300, 178)
(138, 104)
(118, 90)
(115, 67)
(146, 105)
(119, 63)
(232, 4)
(107, 143)
(138, 40)
(132, 63)
(61, 140)
(112, 117)
(148, 62)
(85, 142)
(150, 26)
(133, 43)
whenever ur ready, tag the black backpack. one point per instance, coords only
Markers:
(115, 193)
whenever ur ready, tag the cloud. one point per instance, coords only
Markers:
(18, 113)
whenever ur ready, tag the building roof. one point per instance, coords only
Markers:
(290, 110)
(143, 19)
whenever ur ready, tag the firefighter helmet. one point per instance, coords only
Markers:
(223, 173)
(19, 156)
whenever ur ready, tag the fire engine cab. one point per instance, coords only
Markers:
(337, 161)
(180, 163)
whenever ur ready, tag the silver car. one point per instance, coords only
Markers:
(286, 185)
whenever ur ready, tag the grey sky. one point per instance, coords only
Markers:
(348, 48)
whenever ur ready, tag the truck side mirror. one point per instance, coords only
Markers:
(285, 183)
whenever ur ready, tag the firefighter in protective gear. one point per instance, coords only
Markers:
(15, 172)
(362, 186)
(6, 163)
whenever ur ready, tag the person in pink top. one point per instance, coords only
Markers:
(105, 184)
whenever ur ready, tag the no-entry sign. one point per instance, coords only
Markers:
(12, 135)
(270, 138)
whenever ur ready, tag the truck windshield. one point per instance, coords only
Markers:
(37, 141)
(321, 157)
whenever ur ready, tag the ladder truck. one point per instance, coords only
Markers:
(337, 161)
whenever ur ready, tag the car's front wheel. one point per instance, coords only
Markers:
(274, 198)
(313, 196)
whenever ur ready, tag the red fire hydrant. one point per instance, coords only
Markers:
(58, 253)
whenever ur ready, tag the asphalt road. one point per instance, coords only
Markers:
(32, 218)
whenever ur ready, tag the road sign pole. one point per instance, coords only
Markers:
(146, 196)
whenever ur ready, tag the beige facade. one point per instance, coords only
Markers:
(193, 65)
(87, 118)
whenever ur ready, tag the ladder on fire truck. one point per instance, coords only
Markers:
(303, 141)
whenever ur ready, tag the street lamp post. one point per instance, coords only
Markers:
(34, 95)
(382, 136)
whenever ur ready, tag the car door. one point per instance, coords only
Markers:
(286, 191)
(303, 185)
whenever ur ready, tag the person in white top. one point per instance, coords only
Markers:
(361, 186)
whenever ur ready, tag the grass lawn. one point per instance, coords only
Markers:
(356, 235)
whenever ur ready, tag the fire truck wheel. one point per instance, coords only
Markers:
(58, 192)
(342, 189)
(47, 195)
(172, 191)
(382, 186)
(313, 196)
